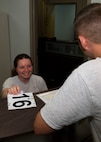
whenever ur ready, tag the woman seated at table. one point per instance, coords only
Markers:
(24, 80)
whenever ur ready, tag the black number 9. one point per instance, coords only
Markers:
(21, 103)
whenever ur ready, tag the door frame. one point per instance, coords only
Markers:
(34, 33)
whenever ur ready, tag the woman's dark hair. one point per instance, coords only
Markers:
(19, 57)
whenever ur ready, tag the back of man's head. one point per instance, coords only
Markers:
(88, 22)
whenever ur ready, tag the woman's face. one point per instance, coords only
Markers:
(24, 69)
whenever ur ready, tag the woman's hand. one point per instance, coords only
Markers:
(14, 90)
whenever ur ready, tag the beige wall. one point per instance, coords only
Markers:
(5, 60)
(19, 25)
(92, 1)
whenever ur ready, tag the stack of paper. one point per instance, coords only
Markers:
(47, 95)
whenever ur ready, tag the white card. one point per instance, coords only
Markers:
(20, 101)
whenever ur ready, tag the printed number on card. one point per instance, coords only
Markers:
(21, 101)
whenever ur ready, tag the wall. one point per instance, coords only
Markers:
(92, 1)
(5, 62)
(19, 27)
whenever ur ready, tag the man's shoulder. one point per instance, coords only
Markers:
(91, 63)
(90, 67)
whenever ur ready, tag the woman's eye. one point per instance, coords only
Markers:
(21, 68)
(29, 66)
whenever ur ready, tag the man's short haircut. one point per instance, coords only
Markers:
(88, 22)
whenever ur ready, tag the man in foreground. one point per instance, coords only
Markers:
(80, 95)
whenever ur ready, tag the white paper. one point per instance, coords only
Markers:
(47, 96)
(20, 101)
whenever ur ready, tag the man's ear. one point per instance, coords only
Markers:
(84, 42)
